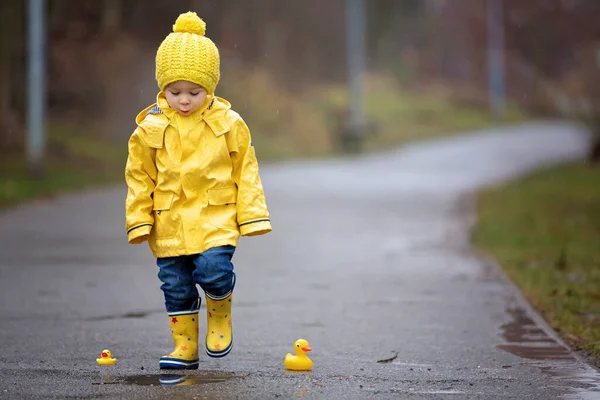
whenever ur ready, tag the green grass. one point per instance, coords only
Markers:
(74, 161)
(544, 230)
(86, 144)
(401, 116)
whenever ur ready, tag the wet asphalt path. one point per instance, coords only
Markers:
(369, 260)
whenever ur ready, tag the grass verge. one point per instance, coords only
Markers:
(74, 161)
(544, 230)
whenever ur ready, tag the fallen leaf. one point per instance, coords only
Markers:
(387, 360)
(574, 338)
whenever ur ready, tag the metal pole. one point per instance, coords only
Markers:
(495, 39)
(356, 54)
(36, 94)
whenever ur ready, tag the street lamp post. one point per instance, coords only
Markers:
(495, 40)
(355, 58)
(36, 88)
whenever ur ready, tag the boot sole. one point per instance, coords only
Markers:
(175, 363)
(221, 353)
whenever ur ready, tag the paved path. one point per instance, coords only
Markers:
(369, 260)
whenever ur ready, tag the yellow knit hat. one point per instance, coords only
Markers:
(187, 55)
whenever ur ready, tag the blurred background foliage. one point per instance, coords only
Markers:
(284, 70)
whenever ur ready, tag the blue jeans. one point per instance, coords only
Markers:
(212, 270)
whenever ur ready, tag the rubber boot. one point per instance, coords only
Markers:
(184, 329)
(219, 338)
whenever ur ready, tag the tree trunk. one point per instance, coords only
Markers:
(58, 9)
(111, 16)
(594, 155)
(7, 131)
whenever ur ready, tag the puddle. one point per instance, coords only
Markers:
(585, 377)
(527, 340)
(199, 378)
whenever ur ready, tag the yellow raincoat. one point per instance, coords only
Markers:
(193, 181)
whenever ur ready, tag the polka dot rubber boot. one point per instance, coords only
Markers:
(219, 338)
(184, 329)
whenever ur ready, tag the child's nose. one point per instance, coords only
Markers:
(185, 100)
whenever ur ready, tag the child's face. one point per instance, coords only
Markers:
(185, 97)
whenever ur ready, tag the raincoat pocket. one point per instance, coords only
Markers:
(222, 211)
(165, 222)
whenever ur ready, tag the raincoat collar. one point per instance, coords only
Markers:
(214, 111)
(161, 101)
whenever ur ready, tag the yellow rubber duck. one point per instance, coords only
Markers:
(299, 362)
(106, 359)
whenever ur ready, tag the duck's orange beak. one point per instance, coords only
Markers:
(104, 354)
(306, 349)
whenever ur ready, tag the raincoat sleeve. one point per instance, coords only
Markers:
(252, 213)
(140, 175)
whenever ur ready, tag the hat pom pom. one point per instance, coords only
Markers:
(191, 23)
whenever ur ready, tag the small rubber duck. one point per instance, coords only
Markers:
(299, 362)
(106, 358)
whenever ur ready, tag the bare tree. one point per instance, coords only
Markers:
(11, 131)
(581, 99)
